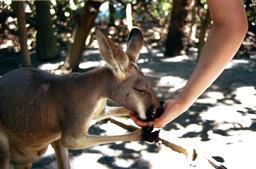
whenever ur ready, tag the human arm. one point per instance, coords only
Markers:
(225, 37)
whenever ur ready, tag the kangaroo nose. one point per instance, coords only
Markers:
(154, 111)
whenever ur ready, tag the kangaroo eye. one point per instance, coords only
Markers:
(140, 90)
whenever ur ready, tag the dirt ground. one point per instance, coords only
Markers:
(220, 124)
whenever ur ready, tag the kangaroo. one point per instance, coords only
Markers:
(38, 108)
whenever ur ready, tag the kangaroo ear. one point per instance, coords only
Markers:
(135, 43)
(113, 55)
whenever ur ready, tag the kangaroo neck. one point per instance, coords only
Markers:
(94, 84)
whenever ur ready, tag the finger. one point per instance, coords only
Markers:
(131, 114)
(141, 124)
(158, 123)
(133, 117)
(138, 122)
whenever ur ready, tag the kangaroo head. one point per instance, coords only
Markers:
(131, 89)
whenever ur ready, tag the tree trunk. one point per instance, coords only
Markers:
(203, 29)
(177, 38)
(111, 13)
(22, 30)
(46, 42)
(192, 34)
(84, 22)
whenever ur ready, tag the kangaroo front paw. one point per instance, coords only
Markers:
(149, 135)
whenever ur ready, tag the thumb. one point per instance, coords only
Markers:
(158, 123)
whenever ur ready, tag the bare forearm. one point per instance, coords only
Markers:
(222, 44)
(226, 35)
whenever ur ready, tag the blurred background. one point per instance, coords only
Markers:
(59, 36)
(33, 32)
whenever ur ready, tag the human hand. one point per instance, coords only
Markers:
(172, 109)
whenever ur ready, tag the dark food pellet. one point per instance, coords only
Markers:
(150, 136)
(147, 132)
(160, 110)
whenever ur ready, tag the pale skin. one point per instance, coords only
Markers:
(226, 35)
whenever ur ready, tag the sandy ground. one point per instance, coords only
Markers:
(222, 122)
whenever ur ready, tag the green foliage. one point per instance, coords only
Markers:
(251, 12)
(249, 44)
(155, 11)
(161, 8)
